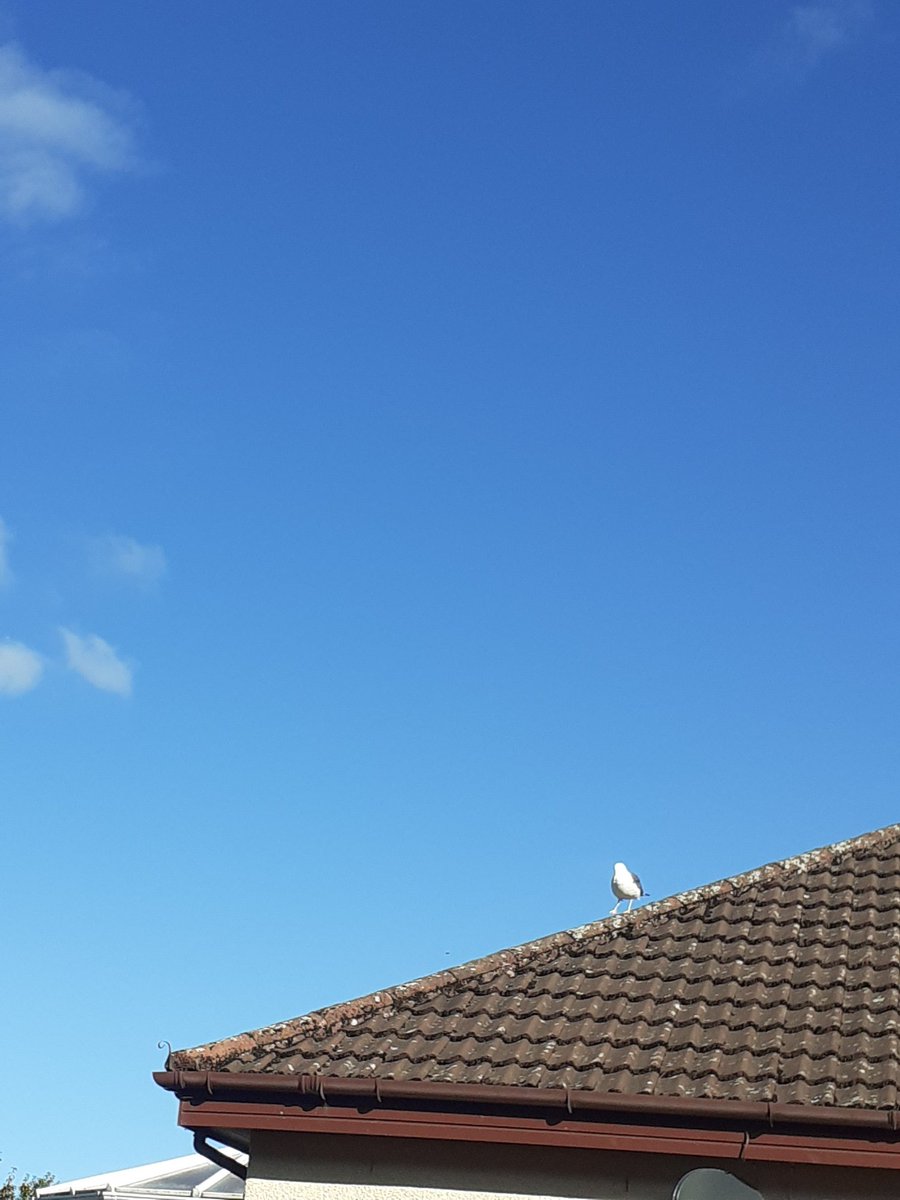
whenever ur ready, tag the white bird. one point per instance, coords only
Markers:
(625, 886)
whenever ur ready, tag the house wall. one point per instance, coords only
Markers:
(342, 1167)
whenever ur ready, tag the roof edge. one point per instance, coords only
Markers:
(330, 1090)
(331, 1017)
(123, 1178)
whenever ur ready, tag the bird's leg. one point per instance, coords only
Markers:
(630, 902)
(614, 912)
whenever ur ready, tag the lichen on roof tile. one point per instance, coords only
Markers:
(780, 984)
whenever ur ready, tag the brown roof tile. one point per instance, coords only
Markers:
(782, 984)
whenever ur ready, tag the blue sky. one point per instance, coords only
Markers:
(445, 448)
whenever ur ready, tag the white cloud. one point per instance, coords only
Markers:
(5, 572)
(813, 32)
(807, 37)
(129, 559)
(20, 668)
(96, 661)
(57, 130)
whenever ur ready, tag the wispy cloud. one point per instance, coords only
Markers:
(810, 34)
(128, 559)
(58, 130)
(96, 661)
(20, 668)
(5, 572)
(815, 31)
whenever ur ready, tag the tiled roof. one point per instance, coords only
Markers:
(782, 984)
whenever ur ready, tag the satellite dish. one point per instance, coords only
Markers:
(708, 1183)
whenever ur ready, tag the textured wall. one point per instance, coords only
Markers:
(337, 1167)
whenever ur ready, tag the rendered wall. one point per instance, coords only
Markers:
(341, 1167)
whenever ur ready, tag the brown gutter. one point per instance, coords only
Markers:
(713, 1129)
(192, 1084)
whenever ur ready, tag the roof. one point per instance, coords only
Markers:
(779, 985)
(188, 1176)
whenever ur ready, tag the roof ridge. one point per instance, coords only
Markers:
(334, 1017)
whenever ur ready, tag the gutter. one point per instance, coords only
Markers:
(705, 1128)
(189, 1084)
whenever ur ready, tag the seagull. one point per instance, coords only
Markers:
(625, 886)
